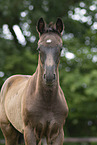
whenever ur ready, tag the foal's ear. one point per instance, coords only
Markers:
(41, 26)
(59, 25)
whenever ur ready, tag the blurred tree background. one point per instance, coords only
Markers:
(78, 65)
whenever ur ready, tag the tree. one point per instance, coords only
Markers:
(78, 66)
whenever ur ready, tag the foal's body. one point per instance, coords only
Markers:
(34, 105)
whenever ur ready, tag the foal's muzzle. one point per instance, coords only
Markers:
(49, 74)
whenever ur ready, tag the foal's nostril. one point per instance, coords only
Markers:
(49, 77)
(49, 74)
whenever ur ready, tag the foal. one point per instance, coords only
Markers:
(35, 105)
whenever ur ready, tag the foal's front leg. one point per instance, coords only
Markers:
(59, 140)
(29, 136)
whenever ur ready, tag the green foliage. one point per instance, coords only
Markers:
(78, 75)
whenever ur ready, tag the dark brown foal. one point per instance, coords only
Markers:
(35, 105)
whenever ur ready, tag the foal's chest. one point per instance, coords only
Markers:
(47, 123)
(46, 115)
(46, 112)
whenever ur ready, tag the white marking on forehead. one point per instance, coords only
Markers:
(48, 41)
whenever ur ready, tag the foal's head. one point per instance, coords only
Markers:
(49, 47)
